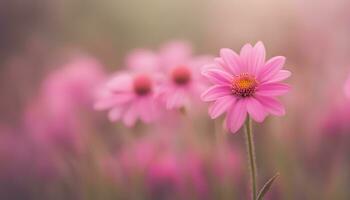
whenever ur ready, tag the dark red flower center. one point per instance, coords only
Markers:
(244, 85)
(142, 84)
(181, 75)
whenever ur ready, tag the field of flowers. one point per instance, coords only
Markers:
(174, 100)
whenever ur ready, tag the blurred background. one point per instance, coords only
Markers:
(53, 145)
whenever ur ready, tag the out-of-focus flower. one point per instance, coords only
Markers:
(130, 96)
(183, 83)
(53, 118)
(22, 165)
(143, 60)
(165, 176)
(52, 131)
(244, 84)
(335, 121)
(72, 86)
(347, 88)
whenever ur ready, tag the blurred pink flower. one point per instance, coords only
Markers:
(335, 121)
(73, 85)
(21, 162)
(52, 119)
(165, 176)
(244, 84)
(183, 82)
(143, 59)
(347, 88)
(52, 131)
(130, 96)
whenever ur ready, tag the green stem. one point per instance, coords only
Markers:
(251, 155)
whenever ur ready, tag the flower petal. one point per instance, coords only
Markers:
(144, 109)
(122, 82)
(175, 100)
(175, 53)
(220, 106)
(256, 58)
(245, 55)
(130, 115)
(231, 59)
(280, 76)
(236, 115)
(116, 113)
(216, 92)
(271, 68)
(142, 59)
(272, 89)
(113, 100)
(272, 105)
(256, 110)
(217, 76)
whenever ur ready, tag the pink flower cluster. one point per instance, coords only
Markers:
(242, 84)
(152, 82)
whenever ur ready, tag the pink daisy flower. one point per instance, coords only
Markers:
(132, 95)
(183, 82)
(129, 96)
(245, 84)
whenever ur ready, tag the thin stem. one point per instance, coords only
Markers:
(251, 155)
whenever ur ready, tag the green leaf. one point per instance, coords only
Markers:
(267, 186)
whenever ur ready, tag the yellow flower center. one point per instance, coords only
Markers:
(243, 85)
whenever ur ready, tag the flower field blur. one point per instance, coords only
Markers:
(159, 100)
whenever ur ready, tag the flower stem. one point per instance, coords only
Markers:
(251, 155)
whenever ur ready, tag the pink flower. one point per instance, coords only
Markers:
(130, 96)
(245, 84)
(347, 88)
(183, 82)
(143, 59)
(73, 85)
(53, 117)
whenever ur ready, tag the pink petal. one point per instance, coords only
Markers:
(280, 76)
(245, 55)
(220, 106)
(130, 115)
(271, 68)
(257, 58)
(231, 60)
(142, 59)
(272, 89)
(144, 107)
(221, 62)
(272, 105)
(113, 100)
(236, 116)
(115, 114)
(175, 100)
(217, 76)
(256, 110)
(216, 92)
(120, 83)
(175, 53)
